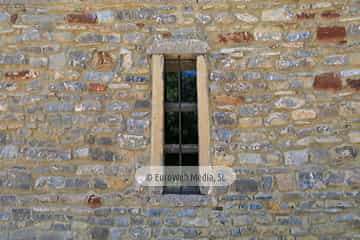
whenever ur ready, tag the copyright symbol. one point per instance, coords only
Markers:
(148, 177)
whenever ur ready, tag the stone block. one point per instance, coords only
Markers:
(296, 157)
(245, 185)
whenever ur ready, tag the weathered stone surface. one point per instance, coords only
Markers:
(254, 109)
(13, 59)
(262, 33)
(95, 37)
(29, 35)
(354, 136)
(344, 152)
(354, 84)
(330, 34)
(221, 76)
(101, 154)
(318, 154)
(140, 232)
(81, 18)
(285, 182)
(296, 157)
(267, 183)
(336, 60)
(117, 106)
(88, 105)
(287, 62)
(246, 17)
(236, 37)
(77, 58)
(304, 16)
(18, 179)
(106, 16)
(132, 142)
(21, 75)
(330, 14)
(278, 14)
(276, 119)
(68, 85)
(250, 122)
(327, 81)
(245, 185)
(136, 78)
(56, 182)
(251, 158)
(224, 118)
(298, 36)
(349, 109)
(203, 18)
(43, 153)
(76, 114)
(137, 126)
(98, 233)
(179, 47)
(42, 18)
(4, 17)
(289, 103)
(105, 76)
(9, 152)
(102, 60)
(142, 13)
(303, 114)
(97, 87)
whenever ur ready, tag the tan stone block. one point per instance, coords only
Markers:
(354, 137)
(285, 182)
(102, 60)
(117, 183)
(225, 99)
(250, 122)
(276, 119)
(354, 58)
(303, 114)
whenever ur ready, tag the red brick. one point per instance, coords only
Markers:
(13, 18)
(81, 18)
(327, 81)
(303, 16)
(331, 34)
(166, 34)
(21, 75)
(236, 37)
(225, 99)
(353, 83)
(330, 14)
(97, 87)
(94, 201)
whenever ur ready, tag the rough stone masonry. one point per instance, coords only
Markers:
(75, 110)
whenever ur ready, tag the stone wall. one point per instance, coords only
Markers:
(75, 107)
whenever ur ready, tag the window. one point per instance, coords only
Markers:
(179, 103)
(180, 118)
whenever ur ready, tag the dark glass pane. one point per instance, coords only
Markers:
(171, 128)
(189, 128)
(188, 86)
(190, 159)
(171, 87)
(172, 159)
